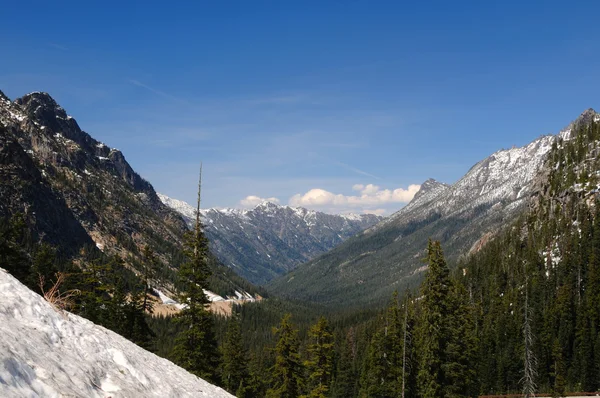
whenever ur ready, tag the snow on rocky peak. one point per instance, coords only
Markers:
(504, 179)
(183, 208)
(270, 239)
(505, 175)
(48, 353)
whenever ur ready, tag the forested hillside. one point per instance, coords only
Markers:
(520, 314)
(548, 266)
(367, 268)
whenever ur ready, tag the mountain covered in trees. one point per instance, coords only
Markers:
(82, 197)
(269, 240)
(518, 315)
(462, 216)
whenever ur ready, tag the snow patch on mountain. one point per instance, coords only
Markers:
(270, 239)
(503, 179)
(48, 353)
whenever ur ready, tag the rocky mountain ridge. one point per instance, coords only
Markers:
(80, 195)
(269, 240)
(389, 255)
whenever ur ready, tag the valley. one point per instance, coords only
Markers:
(270, 240)
(135, 261)
(299, 199)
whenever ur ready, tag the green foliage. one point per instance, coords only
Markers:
(433, 326)
(320, 359)
(13, 256)
(148, 273)
(387, 370)
(286, 374)
(234, 371)
(446, 339)
(196, 345)
(345, 383)
(44, 268)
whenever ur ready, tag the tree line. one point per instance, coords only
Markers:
(522, 315)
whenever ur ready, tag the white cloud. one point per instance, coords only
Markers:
(368, 197)
(253, 201)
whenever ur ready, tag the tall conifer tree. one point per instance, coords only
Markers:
(196, 346)
(234, 369)
(320, 359)
(433, 327)
(287, 372)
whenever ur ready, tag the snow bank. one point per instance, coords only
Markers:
(46, 353)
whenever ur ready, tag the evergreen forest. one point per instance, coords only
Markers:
(519, 316)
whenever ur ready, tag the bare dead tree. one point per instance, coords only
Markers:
(529, 360)
(198, 226)
(407, 337)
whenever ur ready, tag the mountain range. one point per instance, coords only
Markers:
(463, 216)
(82, 196)
(269, 240)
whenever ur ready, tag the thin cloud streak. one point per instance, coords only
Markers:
(58, 46)
(276, 100)
(357, 171)
(158, 92)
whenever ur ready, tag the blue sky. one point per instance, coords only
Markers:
(279, 99)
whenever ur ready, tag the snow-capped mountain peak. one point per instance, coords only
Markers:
(184, 208)
(270, 239)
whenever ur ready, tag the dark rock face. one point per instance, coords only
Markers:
(24, 190)
(74, 190)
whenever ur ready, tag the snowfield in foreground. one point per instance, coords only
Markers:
(46, 353)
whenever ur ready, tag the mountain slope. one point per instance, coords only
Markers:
(265, 242)
(548, 262)
(82, 196)
(47, 353)
(388, 256)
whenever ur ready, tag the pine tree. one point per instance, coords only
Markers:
(286, 374)
(233, 368)
(459, 373)
(13, 257)
(116, 303)
(383, 370)
(93, 288)
(345, 382)
(408, 385)
(196, 346)
(584, 355)
(376, 370)
(43, 268)
(256, 383)
(135, 310)
(433, 329)
(320, 362)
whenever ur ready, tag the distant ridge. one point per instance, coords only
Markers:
(269, 240)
